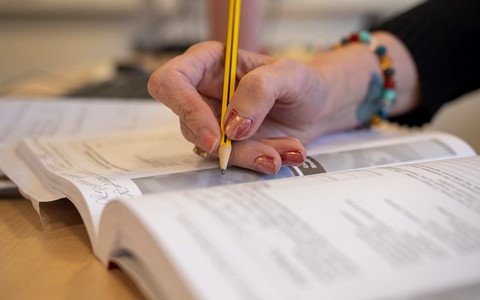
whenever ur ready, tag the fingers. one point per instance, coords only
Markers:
(181, 85)
(191, 85)
(268, 155)
(264, 155)
(185, 82)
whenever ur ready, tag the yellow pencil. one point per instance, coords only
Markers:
(229, 78)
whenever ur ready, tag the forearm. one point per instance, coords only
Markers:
(441, 36)
(249, 37)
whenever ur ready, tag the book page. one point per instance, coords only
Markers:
(20, 118)
(372, 148)
(392, 233)
(131, 164)
(333, 153)
(155, 162)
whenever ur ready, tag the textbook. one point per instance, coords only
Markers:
(402, 232)
(370, 215)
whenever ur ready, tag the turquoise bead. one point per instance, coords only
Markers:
(389, 95)
(364, 36)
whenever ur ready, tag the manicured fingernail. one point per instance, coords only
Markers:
(292, 158)
(237, 127)
(265, 164)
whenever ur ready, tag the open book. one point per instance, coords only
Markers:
(23, 117)
(370, 215)
(403, 232)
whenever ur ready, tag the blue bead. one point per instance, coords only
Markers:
(381, 50)
(383, 114)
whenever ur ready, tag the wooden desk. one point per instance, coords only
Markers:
(53, 260)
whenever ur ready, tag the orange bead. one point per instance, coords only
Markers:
(385, 62)
(375, 120)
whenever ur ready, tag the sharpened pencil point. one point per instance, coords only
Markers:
(224, 155)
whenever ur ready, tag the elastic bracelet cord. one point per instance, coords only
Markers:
(388, 95)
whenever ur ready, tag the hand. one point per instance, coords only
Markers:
(263, 115)
(278, 106)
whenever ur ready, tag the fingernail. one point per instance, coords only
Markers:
(237, 127)
(209, 140)
(265, 164)
(292, 158)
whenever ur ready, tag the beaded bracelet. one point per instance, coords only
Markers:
(388, 95)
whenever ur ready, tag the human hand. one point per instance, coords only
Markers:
(262, 115)
(278, 106)
(275, 109)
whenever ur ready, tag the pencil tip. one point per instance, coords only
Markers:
(223, 171)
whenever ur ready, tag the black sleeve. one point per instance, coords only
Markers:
(443, 37)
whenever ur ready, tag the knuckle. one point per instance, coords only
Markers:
(292, 68)
(186, 113)
(283, 62)
(258, 83)
(158, 83)
(152, 84)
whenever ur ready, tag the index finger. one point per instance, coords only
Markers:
(184, 82)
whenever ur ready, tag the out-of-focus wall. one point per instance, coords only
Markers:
(46, 35)
(85, 7)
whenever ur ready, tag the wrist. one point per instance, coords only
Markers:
(348, 73)
(406, 75)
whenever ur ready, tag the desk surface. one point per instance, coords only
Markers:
(53, 260)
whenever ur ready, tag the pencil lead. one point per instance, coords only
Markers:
(223, 171)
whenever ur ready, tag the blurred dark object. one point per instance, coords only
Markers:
(129, 81)
(8, 189)
(130, 78)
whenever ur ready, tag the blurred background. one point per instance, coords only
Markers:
(108, 48)
(50, 35)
